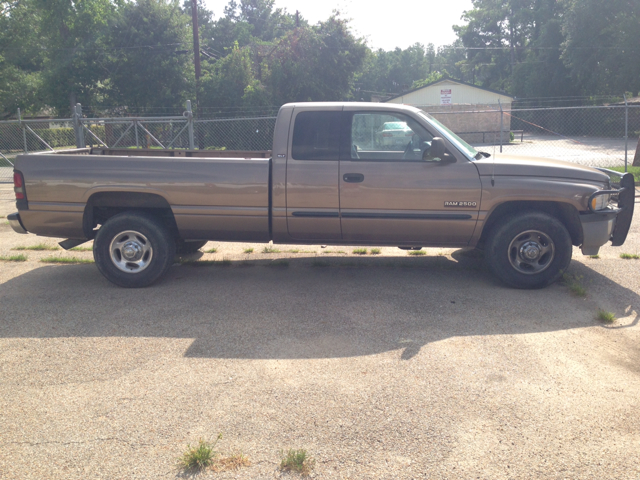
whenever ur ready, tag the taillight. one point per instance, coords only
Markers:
(18, 186)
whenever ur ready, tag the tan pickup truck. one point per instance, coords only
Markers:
(339, 173)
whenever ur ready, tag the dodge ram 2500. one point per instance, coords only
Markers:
(338, 173)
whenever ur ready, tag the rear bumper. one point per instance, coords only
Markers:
(16, 223)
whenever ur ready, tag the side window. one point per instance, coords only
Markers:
(387, 137)
(316, 136)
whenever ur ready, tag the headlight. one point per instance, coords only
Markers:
(600, 202)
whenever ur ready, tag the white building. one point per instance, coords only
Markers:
(447, 98)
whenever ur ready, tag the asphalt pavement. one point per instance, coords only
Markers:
(380, 366)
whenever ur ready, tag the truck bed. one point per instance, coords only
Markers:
(211, 196)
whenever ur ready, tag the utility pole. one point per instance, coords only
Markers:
(297, 19)
(196, 46)
(196, 37)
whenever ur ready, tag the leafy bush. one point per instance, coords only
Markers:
(58, 137)
(66, 137)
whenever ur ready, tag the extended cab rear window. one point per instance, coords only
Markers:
(316, 136)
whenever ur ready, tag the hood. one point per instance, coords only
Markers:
(512, 165)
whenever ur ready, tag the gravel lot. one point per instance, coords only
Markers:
(385, 366)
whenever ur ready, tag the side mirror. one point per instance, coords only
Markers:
(438, 153)
(438, 148)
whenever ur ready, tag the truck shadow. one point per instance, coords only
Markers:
(304, 309)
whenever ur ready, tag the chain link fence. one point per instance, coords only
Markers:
(596, 136)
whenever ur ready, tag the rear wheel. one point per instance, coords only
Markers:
(133, 249)
(529, 251)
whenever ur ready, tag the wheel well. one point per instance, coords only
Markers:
(564, 212)
(104, 205)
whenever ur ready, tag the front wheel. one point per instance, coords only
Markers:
(529, 251)
(133, 249)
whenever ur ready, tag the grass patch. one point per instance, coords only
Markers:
(360, 251)
(300, 251)
(633, 170)
(416, 253)
(594, 257)
(630, 256)
(81, 249)
(200, 456)
(230, 463)
(574, 283)
(39, 247)
(334, 251)
(279, 263)
(65, 260)
(606, 317)
(269, 249)
(15, 258)
(248, 250)
(374, 251)
(297, 461)
(211, 250)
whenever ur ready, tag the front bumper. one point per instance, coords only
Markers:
(16, 223)
(597, 229)
(611, 224)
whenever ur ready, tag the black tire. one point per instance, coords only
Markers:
(133, 249)
(530, 250)
(185, 248)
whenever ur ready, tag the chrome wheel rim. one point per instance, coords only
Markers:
(531, 252)
(131, 251)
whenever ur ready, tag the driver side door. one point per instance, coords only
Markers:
(392, 191)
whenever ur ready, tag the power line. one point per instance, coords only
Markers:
(527, 47)
(103, 49)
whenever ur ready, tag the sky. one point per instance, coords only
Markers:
(385, 24)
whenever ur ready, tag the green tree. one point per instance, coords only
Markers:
(248, 22)
(602, 45)
(21, 58)
(315, 63)
(516, 46)
(73, 33)
(433, 77)
(151, 62)
(496, 36)
(396, 70)
(230, 82)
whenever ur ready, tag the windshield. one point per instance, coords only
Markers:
(463, 146)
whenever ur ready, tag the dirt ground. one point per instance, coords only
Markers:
(379, 366)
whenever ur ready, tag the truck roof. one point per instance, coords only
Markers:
(349, 106)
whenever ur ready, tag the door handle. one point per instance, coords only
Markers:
(353, 177)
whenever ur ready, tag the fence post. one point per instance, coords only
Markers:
(135, 127)
(626, 131)
(501, 123)
(192, 144)
(77, 125)
(24, 133)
